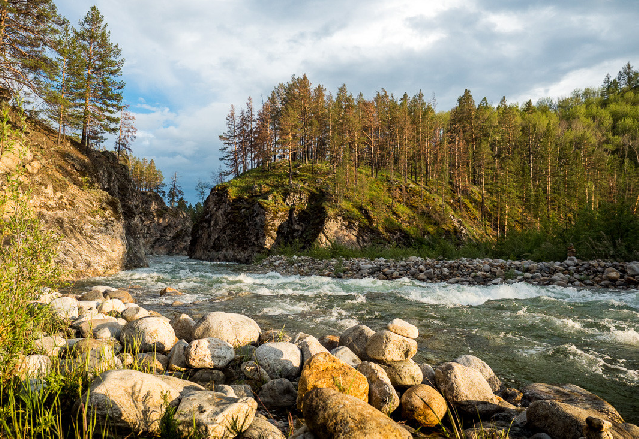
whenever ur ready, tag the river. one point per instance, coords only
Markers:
(526, 333)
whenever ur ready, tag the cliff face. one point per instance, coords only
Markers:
(260, 210)
(87, 199)
(236, 229)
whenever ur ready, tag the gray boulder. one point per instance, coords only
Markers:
(149, 334)
(356, 338)
(280, 359)
(347, 356)
(483, 368)
(279, 393)
(404, 373)
(134, 400)
(309, 346)
(235, 329)
(386, 346)
(381, 393)
(65, 307)
(211, 353)
(183, 326)
(260, 428)
(215, 415)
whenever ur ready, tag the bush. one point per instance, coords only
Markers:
(27, 255)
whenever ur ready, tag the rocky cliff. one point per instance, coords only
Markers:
(260, 211)
(87, 199)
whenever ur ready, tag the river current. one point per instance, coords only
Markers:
(526, 333)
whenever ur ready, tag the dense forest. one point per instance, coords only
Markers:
(525, 164)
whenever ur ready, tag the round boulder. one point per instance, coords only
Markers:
(210, 353)
(324, 370)
(149, 334)
(424, 404)
(280, 360)
(401, 327)
(235, 329)
(356, 338)
(386, 346)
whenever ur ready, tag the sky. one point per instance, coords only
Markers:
(187, 61)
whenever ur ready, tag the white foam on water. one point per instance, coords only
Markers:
(626, 336)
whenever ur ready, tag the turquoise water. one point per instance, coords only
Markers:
(526, 333)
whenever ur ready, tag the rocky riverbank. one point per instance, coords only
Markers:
(571, 272)
(226, 377)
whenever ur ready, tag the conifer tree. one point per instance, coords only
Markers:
(175, 193)
(26, 28)
(98, 88)
(59, 94)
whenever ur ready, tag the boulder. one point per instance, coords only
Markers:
(280, 359)
(93, 295)
(347, 356)
(611, 274)
(356, 338)
(572, 395)
(211, 353)
(149, 334)
(381, 393)
(121, 295)
(429, 374)
(177, 357)
(468, 390)
(331, 414)
(253, 371)
(152, 362)
(279, 393)
(309, 346)
(330, 341)
(134, 400)
(401, 327)
(88, 307)
(567, 421)
(235, 329)
(404, 373)
(50, 345)
(134, 313)
(324, 370)
(425, 405)
(632, 269)
(386, 346)
(111, 305)
(87, 327)
(65, 307)
(242, 390)
(260, 428)
(215, 415)
(483, 368)
(108, 330)
(34, 366)
(183, 326)
(208, 376)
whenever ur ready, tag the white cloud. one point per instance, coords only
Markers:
(186, 62)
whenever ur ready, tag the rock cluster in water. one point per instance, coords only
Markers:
(225, 377)
(571, 272)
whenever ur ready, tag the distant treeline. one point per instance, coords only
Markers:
(527, 164)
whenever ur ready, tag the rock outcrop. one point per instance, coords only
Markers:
(237, 228)
(88, 200)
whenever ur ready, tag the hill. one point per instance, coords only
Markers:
(87, 199)
(259, 211)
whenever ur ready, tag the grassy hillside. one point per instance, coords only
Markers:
(410, 219)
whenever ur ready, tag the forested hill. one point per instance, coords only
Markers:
(492, 171)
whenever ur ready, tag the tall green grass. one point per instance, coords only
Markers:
(610, 232)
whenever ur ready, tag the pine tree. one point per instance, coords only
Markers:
(58, 99)
(98, 88)
(175, 193)
(231, 150)
(26, 29)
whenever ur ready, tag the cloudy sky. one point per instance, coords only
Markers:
(187, 61)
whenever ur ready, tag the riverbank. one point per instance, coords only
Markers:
(571, 272)
(226, 363)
